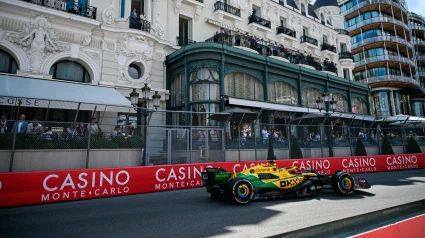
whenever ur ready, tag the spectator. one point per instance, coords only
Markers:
(317, 138)
(4, 125)
(93, 127)
(21, 125)
(133, 19)
(72, 130)
(116, 132)
(35, 128)
(130, 129)
(81, 130)
(48, 134)
(142, 16)
(265, 135)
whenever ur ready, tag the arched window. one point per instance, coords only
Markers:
(204, 84)
(322, 17)
(303, 10)
(342, 102)
(310, 95)
(70, 71)
(178, 90)
(282, 92)
(359, 106)
(243, 86)
(7, 63)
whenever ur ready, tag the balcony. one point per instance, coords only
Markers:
(221, 6)
(183, 41)
(370, 40)
(143, 25)
(260, 21)
(420, 57)
(345, 55)
(421, 74)
(326, 46)
(286, 31)
(379, 58)
(390, 78)
(379, 19)
(369, 2)
(310, 40)
(68, 6)
(342, 31)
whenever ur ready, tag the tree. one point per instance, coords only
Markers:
(413, 147)
(360, 150)
(386, 148)
(296, 152)
(270, 151)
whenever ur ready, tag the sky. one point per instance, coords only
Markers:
(416, 6)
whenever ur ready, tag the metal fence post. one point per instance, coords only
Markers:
(15, 131)
(88, 147)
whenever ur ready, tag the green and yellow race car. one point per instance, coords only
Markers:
(268, 181)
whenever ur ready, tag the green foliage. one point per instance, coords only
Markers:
(386, 148)
(270, 151)
(360, 150)
(413, 147)
(296, 152)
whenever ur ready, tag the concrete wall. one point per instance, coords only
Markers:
(35, 160)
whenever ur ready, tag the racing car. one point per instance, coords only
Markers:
(268, 181)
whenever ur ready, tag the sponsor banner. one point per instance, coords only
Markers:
(21, 188)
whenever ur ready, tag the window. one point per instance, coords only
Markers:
(282, 92)
(185, 30)
(283, 21)
(70, 71)
(7, 63)
(244, 86)
(359, 106)
(204, 84)
(134, 71)
(342, 102)
(310, 95)
(178, 90)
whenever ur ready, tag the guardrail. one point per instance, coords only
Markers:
(73, 7)
(227, 8)
(311, 40)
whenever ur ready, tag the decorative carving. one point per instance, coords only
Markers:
(95, 56)
(236, 23)
(198, 12)
(108, 14)
(219, 17)
(158, 27)
(155, 3)
(37, 40)
(86, 41)
(177, 6)
(265, 10)
(133, 48)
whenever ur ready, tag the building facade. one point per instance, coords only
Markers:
(384, 51)
(417, 26)
(93, 43)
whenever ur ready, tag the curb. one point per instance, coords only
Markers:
(353, 225)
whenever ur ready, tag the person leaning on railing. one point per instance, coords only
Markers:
(35, 128)
(5, 125)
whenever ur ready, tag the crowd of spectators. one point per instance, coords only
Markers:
(272, 48)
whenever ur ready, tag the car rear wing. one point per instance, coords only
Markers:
(214, 175)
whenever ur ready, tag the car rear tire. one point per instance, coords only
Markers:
(343, 183)
(239, 190)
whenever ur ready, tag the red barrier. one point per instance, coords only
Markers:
(21, 188)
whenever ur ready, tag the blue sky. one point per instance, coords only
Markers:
(416, 6)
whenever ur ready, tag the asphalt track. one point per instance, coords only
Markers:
(192, 213)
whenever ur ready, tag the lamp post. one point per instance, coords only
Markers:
(134, 96)
(327, 104)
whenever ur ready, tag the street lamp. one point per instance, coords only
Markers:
(327, 104)
(134, 96)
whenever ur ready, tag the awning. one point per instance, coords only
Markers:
(63, 95)
(286, 108)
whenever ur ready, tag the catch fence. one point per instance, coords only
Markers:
(180, 137)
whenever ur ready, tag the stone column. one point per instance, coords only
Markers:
(397, 102)
(393, 110)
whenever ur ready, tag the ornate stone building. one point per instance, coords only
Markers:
(84, 42)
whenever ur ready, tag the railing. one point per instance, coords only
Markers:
(342, 31)
(227, 8)
(421, 74)
(330, 67)
(345, 55)
(68, 6)
(286, 31)
(225, 39)
(390, 78)
(384, 58)
(183, 41)
(303, 13)
(419, 42)
(307, 39)
(260, 21)
(326, 46)
(420, 57)
(362, 4)
(378, 19)
(381, 38)
(143, 25)
(416, 27)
